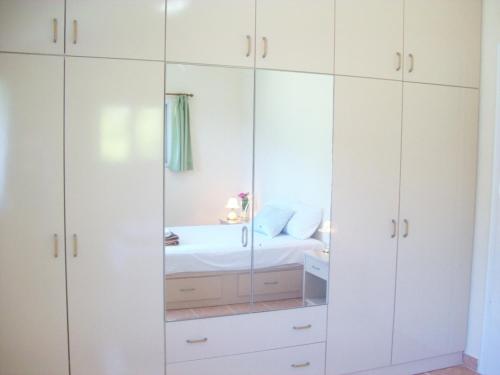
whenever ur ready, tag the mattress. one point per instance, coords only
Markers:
(218, 248)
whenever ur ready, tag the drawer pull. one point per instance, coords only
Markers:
(199, 341)
(298, 328)
(185, 290)
(299, 365)
(271, 283)
(316, 268)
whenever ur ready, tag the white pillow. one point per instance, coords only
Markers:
(305, 222)
(271, 220)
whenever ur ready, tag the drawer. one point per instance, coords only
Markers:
(237, 334)
(316, 267)
(273, 282)
(301, 360)
(193, 289)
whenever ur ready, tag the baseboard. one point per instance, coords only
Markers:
(418, 367)
(470, 362)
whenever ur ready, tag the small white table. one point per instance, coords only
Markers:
(316, 270)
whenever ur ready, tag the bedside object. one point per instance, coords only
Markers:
(229, 222)
(316, 270)
(232, 205)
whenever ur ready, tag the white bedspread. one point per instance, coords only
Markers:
(218, 248)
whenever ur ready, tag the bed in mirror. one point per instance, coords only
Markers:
(247, 190)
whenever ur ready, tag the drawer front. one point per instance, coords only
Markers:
(271, 282)
(316, 267)
(193, 289)
(301, 360)
(230, 335)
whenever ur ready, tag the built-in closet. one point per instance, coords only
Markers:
(367, 109)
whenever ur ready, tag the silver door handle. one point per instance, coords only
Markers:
(271, 283)
(56, 245)
(298, 328)
(54, 30)
(264, 45)
(394, 228)
(75, 245)
(185, 290)
(400, 61)
(244, 236)
(75, 31)
(249, 46)
(199, 341)
(299, 365)
(412, 63)
(407, 228)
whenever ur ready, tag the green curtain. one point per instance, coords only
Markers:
(181, 158)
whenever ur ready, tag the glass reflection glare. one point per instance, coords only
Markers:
(115, 134)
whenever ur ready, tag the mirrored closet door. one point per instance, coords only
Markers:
(208, 181)
(292, 191)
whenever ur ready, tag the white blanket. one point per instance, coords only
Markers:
(212, 248)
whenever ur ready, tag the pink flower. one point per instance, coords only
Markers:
(243, 195)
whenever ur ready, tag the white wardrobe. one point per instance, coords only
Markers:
(82, 95)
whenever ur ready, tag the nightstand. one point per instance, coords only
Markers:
(316, 270)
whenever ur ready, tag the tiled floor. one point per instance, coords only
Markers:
(241, 308)
(452, 371)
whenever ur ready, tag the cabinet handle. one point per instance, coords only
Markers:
(199, 341)
(244, 236)
(407, 228)
(187, 290)
(75, 31)
(54, 30)
(271, 283)
(75, 245)
(264, 44)
(249, 46)
(56, 245)
(299, 365)
(412, 63)
(298, 328)
(400, 61)
(394, 228)
(316, 268)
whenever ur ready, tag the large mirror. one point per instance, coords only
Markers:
(248, 166)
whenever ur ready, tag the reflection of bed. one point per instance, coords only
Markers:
(211, 267)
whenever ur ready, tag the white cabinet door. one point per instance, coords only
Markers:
(33, 329)
(35, 26)
(114, 219)
(217, 32)
(437, 200)
(443, 41)
(365, 202)
(295, 35)
(369, 38)
(116, 28)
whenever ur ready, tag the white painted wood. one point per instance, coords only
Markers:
(444, 36)
(300, 35)
(368, 38)
(116, 28)
(27, 26)
(365, 201)
(437, 198)
(114, 169)
(211, 32)
(33, 335)
(317, 264)
(417, 367)
(309, 358)
(244, 333)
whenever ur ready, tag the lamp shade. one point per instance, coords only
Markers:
(232, 203)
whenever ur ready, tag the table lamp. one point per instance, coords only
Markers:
(232, 205)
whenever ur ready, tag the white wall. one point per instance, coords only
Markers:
(491, 39)
(221, 113)
(293, 138)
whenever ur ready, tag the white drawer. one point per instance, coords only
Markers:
(300, 360)
(316, 267)
(213, 337)
(193, 289)
(273, 282)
